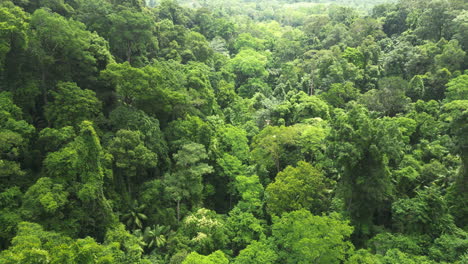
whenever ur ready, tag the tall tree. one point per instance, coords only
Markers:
(131, 35)
(299, 238)
(82, 166)
(13, 37)
(185, 183)
(131, 157)
(301, 187)
(361, 147)
(72, 105)
(15, 135)
(63, 50)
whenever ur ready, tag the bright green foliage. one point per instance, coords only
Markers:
(289, 45)
(277, 147)
(313, 141)
(198, 48)
(244, 228)
(88, 164)
(120, 238)
(251, 193)
(206, 231)
(94, 14)
(328, 68)
(72, 105)
(247, 41)
(433, 20)
(450, 247)
(51, 139)
(363, 256)
(436, 82)
(131, 156)
(406, 126)
(269, 144)
(169, 9)
(44, 197)
(407, 176)
(199, 89)
(456, 113)
(8, 168)
(248, 64)
(190, 129)
(216, 257)
(304, 106)
(185, 183)
(354, 56)
(13, 26)
(460, 28)
(157, 202)
(336, 35)
(34, 245)
(425, 115)
(244, 131)
(253, 86)
(58, 6)
(231, 168)
(302, 237)
(295, 188)
(168, 90)
(225, 94)
(80, 166)
(457, 88)
(257, 253)
(234, 140)
(396, 256)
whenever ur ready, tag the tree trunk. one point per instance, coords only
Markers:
(128, 187)
(178, 211)
(44, 88)
(312, 88)
(129, 52)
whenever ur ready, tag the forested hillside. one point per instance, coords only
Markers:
(243, 132)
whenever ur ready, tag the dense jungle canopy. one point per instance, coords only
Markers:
(242, 132)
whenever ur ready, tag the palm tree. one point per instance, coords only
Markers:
(134, 217)
(155, 236)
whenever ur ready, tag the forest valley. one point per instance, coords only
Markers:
(242, 132)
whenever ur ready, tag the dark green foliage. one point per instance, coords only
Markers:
(14, 141)
(362, 148)
(427, 213)
(131, 35)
